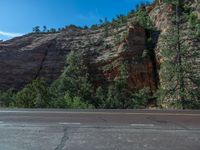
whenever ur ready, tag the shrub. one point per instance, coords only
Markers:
(6, 98)
(140, 98)
(34, 95)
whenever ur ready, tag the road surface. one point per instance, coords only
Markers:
(99, 130)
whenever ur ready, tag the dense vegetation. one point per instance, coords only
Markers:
(73, 89)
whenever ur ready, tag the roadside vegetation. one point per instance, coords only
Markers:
(73, 89)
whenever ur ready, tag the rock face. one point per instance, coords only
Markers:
(161, 15)
(43, 55)
(26, 58)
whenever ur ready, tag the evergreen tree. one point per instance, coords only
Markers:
(119, 94)
(143, 19)
(100, 97)
(179, 74)
(44, 28)
(112, 101)
(53, 30)
(36, 29)
(6, 98)
(75, 80)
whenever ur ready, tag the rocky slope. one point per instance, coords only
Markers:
(161, 16)
(26, 58)
(43, 55)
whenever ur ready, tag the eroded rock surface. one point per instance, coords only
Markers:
(26, 58)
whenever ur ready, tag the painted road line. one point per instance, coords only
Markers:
(69, 123)
(142, 125)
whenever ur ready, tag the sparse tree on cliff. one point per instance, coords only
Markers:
(158, 1)
(143, 18)
(53, 30)
(36, 29)
(44, 28)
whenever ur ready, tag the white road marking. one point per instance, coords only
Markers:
(142, 125)
(69, 123)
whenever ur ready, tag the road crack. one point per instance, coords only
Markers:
(63, 140)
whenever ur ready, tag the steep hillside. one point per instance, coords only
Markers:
(178, 52)
(159, 45)
(26, 58)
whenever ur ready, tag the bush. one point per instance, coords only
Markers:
(34, 95)
(68, 102)
(112, 101)
(6, 98)
(76, 103)
(140, 98)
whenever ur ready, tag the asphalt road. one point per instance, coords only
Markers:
(99, 130)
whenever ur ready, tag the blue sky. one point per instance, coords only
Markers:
(20, 16)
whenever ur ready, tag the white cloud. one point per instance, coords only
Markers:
(10, 34)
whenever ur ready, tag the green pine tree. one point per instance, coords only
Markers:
(179, 75)
(74, 80)
(119, 93)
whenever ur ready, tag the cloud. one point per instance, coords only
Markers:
(10, 34)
